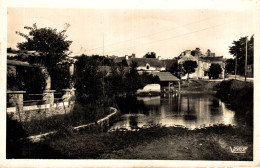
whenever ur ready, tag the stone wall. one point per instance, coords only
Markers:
(39, 112)
(23, 113)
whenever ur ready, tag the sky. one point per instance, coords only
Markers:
(167, 32)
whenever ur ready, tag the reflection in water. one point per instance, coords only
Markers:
(189, 110)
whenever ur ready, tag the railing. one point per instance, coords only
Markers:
(33, 99)
(58, 97)
(33, 102)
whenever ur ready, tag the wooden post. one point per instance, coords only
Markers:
(179, 86)
(169, 86)
(246, 60)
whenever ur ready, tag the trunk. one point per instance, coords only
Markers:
(188, 77)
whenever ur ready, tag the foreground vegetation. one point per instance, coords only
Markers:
(81, 114)
(156, 142)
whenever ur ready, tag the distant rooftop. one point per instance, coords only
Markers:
(143, 61)
(166, 76)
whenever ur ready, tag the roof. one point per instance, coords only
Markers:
(166, 76)
(154, 62)
(119, 59)
(169, 63)
(105, 68)
(218, 58)
(14, 53)
(187, 58)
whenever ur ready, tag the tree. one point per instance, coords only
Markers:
(52, 45)
(189, 67)
(150, 55)
(230, 65)
(175, 69)
(196, 52)
(214, 71)
(238, 50)
(88, 79)
(133, 70)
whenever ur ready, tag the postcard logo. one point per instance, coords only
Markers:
(238, 149)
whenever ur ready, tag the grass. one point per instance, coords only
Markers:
(199, 85)
(81, 114)
(233, 92)
(157, 142)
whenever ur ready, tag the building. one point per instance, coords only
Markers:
(203, 62)
(167, 81)
(147, 65)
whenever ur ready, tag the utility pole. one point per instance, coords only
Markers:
(103, 66)
(103, 45)
(236, 67)
(246, 60)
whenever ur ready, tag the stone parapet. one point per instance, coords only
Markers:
(48, 96)
(69, 94)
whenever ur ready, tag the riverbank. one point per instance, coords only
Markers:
(173, 143)
(199, 86)
(233, 93)
(81, 114)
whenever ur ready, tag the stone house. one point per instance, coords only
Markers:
(203, 62)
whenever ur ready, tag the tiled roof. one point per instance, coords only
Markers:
(14, 53)
(105, 68)
(187, 58)
(168, 63)
(154, 62)
(119, 59)
(18, 63)
(166, 76)
(218, 58)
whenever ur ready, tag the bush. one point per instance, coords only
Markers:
(235, 92)
(214, 71)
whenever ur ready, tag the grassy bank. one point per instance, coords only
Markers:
(239, 97)
(234, 92)
(199, 85)
(81, 114)
(175, 143)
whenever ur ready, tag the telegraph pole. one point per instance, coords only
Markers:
(103, 65)
(246, 60)
(236, 67)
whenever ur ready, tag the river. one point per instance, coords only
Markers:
(188, 110)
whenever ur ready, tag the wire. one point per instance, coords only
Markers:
(170, 37)
(171, 29)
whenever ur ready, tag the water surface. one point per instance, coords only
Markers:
(188, 110)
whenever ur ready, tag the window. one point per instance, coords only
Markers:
(147, 66)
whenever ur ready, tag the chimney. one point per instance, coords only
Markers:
(188, 52)
(133, 55)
